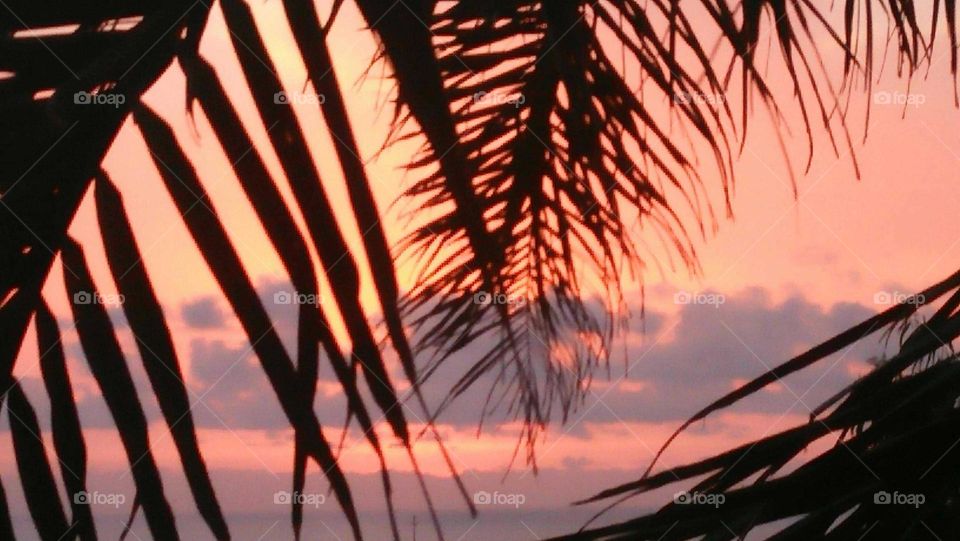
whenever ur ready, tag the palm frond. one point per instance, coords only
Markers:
(52, 148)
(36, 475)
(109, 368)
(209, 234)
(549, 130)
(541, 152)
(268, 203)
(894, 428)
(340, 268)
(155, 344)
(68, 438)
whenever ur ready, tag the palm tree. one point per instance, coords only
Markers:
(537, 149)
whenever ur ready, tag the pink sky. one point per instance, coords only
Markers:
(803, 267)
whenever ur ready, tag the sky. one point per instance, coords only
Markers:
(786, 271)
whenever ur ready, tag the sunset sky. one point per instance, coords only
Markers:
(790, 270)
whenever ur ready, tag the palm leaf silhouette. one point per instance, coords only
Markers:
(538, 153)
(109, 368)
(68, 439)
(38, 484)
(156, 347)
(892, 427)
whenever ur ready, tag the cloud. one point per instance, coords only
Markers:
(230, 388)
(203, 313)
(684, 361)
(678, 363)
(711, 350)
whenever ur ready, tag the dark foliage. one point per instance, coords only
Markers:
(538, 153)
